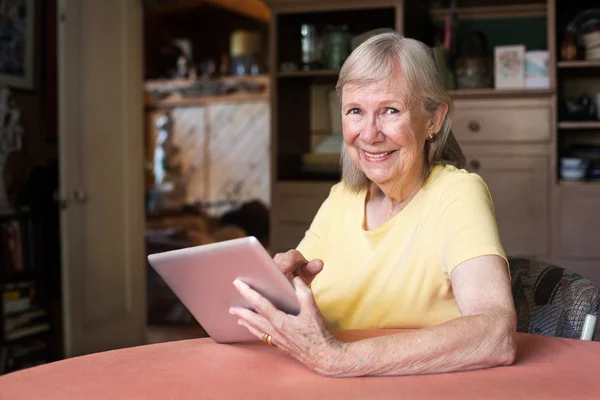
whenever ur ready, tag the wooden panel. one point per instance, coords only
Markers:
(579, 221)
(502, 120)
(520, 192)
(294, 207)
(299, 202)
(101, 158)
(290, 235)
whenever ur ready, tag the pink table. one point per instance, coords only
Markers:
(546, 368)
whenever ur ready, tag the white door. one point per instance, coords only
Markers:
(101, 174)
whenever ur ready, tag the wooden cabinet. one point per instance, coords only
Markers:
(519, 188)
(297, 205)
(512, 137)
(507, 142)
(579, 221)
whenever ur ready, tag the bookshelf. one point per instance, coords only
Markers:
(25, 327)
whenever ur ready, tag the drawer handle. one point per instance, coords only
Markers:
(475, 165)
(474, 126)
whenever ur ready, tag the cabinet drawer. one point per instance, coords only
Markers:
(502, 120)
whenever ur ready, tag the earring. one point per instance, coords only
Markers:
(431, 137)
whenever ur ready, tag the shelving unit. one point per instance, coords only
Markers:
(300, 106)
(513, 138)
(579, 64)
(25, 326)
(564, 182)
(576, 136)
(299, 98)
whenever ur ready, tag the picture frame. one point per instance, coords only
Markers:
(49, 79)
(17, 42)
(509, 67)
(537, 69)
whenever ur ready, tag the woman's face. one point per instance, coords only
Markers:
(384, 129)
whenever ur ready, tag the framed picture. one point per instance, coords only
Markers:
(537, 72)
(509, 67)
(17, 31)
(49, 79)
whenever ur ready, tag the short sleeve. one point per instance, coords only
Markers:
(309, 245)
(466, 225)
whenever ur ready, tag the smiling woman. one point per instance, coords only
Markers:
(407, 239)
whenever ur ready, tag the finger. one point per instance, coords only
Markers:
(259, 334)
(251, 318)
(258, 302)
(256, 332)
(304, 294)
(311, 269)
(289, 262)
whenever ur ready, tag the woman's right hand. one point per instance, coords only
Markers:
(293, 263)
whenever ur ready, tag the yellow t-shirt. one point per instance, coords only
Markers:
(397, 275)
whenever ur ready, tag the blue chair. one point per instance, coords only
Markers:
(553, 301)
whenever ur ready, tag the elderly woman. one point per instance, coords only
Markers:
(407, 239)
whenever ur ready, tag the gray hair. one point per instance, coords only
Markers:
(374, 61)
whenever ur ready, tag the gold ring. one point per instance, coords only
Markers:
(268, 339)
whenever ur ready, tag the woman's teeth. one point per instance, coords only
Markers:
(379, 155)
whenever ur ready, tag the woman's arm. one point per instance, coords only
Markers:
(483, 337)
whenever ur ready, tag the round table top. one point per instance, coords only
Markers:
(545, 368)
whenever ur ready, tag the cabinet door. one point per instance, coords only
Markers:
(520, 192)
(579, 221)
(101, 174)
(294, 207)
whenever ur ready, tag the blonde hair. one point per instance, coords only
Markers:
(376, 60)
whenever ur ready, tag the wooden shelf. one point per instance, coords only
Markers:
(579, 125)
(586, 183)
(579, 64)
(492, 12)
(490, 93)
(178, 101)
(306, 74)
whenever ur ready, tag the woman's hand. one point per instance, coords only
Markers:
(304, 337)
(293, 263)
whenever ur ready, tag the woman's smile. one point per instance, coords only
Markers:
(379, 156)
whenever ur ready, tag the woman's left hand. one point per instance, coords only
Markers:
(304, 337)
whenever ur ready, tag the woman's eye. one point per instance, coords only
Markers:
(391, 111)
(353, 111)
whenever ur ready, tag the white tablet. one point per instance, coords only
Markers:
(202, 278)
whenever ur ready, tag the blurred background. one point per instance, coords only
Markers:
(133, 127)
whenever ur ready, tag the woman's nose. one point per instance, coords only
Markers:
(371, 131)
